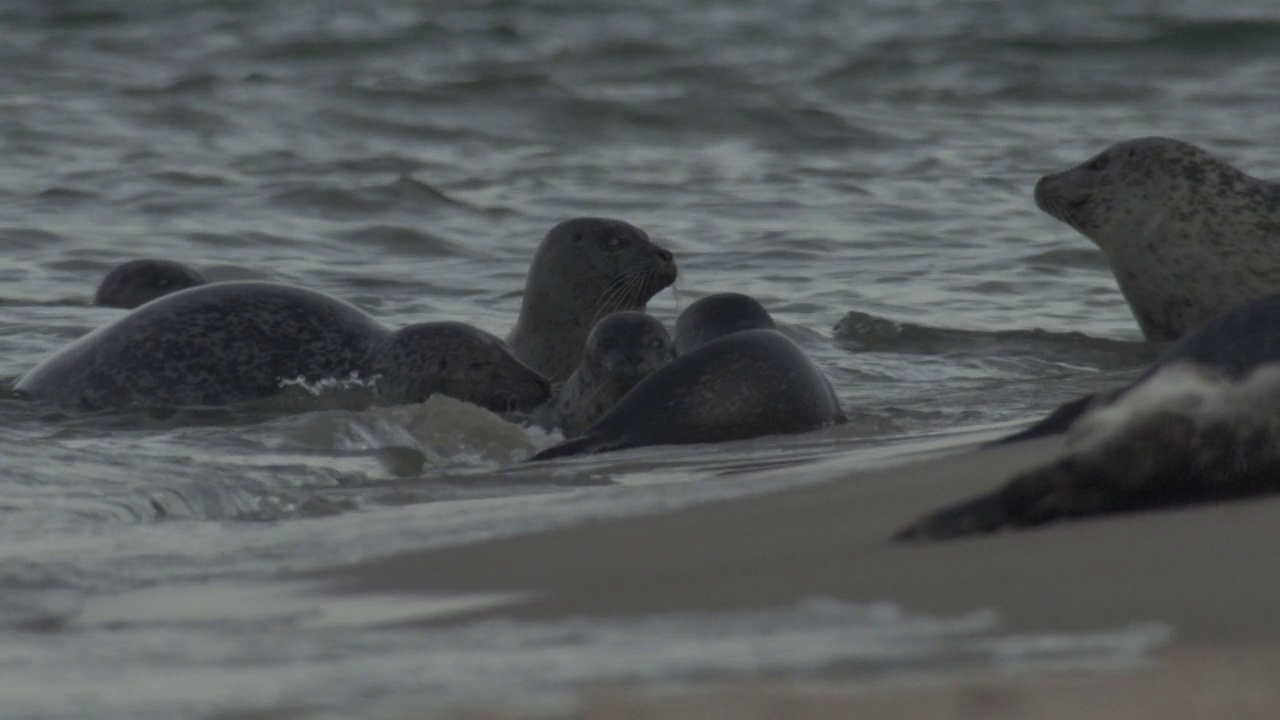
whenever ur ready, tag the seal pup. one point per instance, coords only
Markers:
(717, 315)
(229, 342)
(1190, 436)
(138, 282)
(621, 350)
(583, 270)
(1234, 344)
(743, 385)
(1187, 235)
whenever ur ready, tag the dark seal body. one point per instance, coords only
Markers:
(138, 282)
(230, 342)
(1163, 440)
(743, 385)
(1187, 235)
(621, 350)
(583, 270)
(717, 315)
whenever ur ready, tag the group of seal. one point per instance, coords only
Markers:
(223, 343)
(1193, 244)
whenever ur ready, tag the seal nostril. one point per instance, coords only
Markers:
(664, 254)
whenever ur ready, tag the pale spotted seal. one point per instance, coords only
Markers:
(743, 385)
(1187, 235)
(621, 350)
(716, 315)
(138, 282)
(583, 270)
(230, 342)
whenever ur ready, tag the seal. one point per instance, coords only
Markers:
(621, 350)
(229, 342)
(1200, 424)
(138, 282)
(1234, 344)
(743, 385)
(1187, 235)
(716, 316)
(583, 270)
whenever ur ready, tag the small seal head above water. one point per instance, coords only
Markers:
(744, 385)
(621, 350)
(138, 282)
(583, 270)
(232, 342)
(455, 360)
(1187, 235)
(716, 315)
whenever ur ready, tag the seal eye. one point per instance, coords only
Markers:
(656, 344)
(1097, 164)
(615, 242)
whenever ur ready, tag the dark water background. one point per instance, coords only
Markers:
(863, 168)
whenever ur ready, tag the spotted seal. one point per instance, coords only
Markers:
(621, 350)
(583, 270)
(1201, 424)
(743, 385)
(229, 342)
(1187, 235)
(717, 315)
(138, 282)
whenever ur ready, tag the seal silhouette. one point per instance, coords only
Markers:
(224, 343)
(138, 282)
(742, 385)
(621, 350)
(583, 270)
(718, 315)
(1187, 235)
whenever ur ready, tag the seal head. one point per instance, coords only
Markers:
(621, 350)
(1187, 235)
(583, 270)
(138, 282)
(717, 315)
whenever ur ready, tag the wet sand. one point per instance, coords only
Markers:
(1203, 571)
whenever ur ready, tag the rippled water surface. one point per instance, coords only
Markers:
(863, 168)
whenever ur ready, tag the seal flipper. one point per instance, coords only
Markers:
(1058, 421)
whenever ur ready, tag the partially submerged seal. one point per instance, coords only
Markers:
(230, 342)
(621, 350)
(1187, 235)
(583, 270)
(138, 282)
(743, 385)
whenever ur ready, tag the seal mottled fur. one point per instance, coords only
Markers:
(138, 282)
(621, 350)
(1187, 235)
(230, 342)
(583, 270)
(746, 384)
(717, 315)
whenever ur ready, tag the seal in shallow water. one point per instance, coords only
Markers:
(621, 350)
(1187, 235)
(744, 385)
(717, 315)
(138, 282)
(583, 270)
(235, 341)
